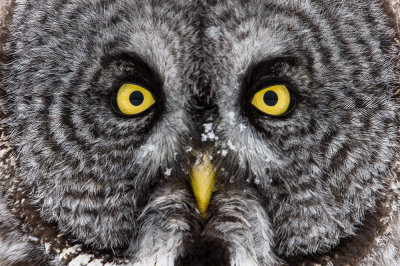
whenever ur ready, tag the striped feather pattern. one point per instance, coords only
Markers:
(86, 185)
(323, 168)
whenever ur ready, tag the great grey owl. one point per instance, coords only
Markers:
(138, 132)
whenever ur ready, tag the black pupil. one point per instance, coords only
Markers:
(136, 98)
(270, 98)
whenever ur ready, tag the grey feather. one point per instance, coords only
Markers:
(82, 184)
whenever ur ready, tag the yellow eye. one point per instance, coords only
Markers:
(274, 100)
(132, 99)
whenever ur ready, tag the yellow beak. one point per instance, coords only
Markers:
(203, 180)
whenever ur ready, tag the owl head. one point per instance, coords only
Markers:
(209, 132)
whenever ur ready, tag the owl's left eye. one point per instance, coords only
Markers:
(273, 100)
(132, 99)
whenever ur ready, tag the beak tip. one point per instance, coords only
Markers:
(202, 181)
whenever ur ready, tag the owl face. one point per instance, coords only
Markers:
(290, 103)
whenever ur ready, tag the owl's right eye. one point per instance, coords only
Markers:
(132, 99)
